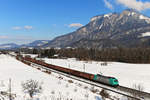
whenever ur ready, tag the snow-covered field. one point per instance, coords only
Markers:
(127, 74)
(53, 87)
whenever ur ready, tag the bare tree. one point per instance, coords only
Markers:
(32, 87)
(104, 94)
(138, 87)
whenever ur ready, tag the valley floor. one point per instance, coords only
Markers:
(54, 87)
(127, 74)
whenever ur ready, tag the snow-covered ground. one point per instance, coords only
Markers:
(53, 87)
(31, 55)
(127, 74)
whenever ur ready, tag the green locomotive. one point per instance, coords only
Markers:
(106, 80)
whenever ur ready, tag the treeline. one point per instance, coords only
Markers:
(128, 55)
(136, 55)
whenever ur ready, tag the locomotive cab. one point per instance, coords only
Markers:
(113, 81)
(106, 80)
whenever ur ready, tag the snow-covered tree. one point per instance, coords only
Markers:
(32, 87)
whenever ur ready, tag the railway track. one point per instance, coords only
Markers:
(125, 91)
(135, 92)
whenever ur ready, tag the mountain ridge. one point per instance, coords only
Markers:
(123, 28)
(126, 29)
(34, 44)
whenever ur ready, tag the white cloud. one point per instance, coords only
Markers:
(16, 28)
(28, 27)
(3, 37)
(75, 25)
(20, 28)
(19, 39)
(65, 24)
(110, 6)
(135, 4)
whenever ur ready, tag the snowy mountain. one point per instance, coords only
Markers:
(34, 44)
(109, 31)
(8, 46)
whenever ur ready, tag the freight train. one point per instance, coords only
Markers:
(111, 81)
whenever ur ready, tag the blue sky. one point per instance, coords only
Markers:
(22, 21)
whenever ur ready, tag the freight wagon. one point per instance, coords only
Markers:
(112, 81)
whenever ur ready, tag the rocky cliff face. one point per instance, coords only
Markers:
(127, 29)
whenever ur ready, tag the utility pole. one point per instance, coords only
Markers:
(10, 89)
(84, 67)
